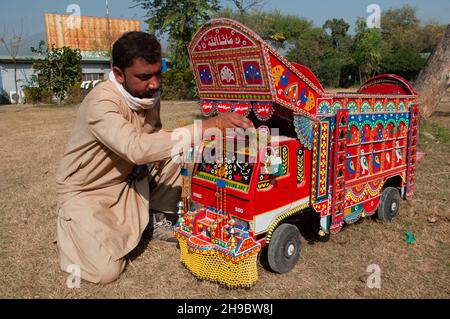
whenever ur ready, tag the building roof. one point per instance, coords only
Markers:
(84, 32)
(31, 58)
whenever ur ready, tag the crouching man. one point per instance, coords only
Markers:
(117, 166)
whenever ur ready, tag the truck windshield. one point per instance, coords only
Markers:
(237, 169)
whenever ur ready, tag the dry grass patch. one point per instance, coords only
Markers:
(32, 143)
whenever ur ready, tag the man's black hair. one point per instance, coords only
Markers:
(135, 44)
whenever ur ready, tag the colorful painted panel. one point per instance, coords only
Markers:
(300, 166)
(224, 107)
(350, 165)
(291, 90)
(366, 134)
(222, 38)
(252, 72)
(337, 105)
(363, 192)
(207, 107)
(379, 106)
(376, 161)
(227, 73)
(242, 108)
(321, 162)
(365, 160)
(390, 106)
(205, 74)
(365, 107)
(263, 111)
(375, 142)
(304, 127)
(237, 171)
(352, 106)
(359, 120)
(353, 135)
(324, 106)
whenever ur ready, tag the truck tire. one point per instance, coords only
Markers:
(389, 204)
(284, 248)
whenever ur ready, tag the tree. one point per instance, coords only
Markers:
(399, 26)
(429, 35)
(244, 6)
(337, 60)
(12, 46)
(279, 30)
(366, 50)
(58, 70)
(338, 30)
(406, 41)
(301, 42)
(180, 19)
(402, 61)
(311, 49)
(400, 29)
(434, 79)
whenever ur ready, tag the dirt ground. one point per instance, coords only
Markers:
(32, 143)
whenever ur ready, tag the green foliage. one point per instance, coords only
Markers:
(325, 54)
(366, 50)
(404, 62)
(301, 42)
(59, 69)
(400, 25)
(36, 95)
(399, 47)
(280, 30)
(4, 98)
(331, 53)
(338, 29)
(404, 40)
(180, 19)
(309, 48)
(428, 36)
(430, 131)
(74, 95)
(179, 85)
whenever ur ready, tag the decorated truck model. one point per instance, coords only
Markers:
(343, 155)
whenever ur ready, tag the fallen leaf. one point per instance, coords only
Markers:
(432, 219)
(409, 237)
(412, 213)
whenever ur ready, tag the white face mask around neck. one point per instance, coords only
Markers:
(135, 103)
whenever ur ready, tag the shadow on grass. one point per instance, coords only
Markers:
(308, 223)
(143, 244)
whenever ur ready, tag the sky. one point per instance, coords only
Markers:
(31, 12)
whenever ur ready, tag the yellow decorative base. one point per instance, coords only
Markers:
(214, 266)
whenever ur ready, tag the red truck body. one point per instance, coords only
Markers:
(345, 155)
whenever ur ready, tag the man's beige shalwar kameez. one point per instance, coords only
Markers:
(101, 213)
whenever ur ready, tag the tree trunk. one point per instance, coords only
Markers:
(15, 81)
(434, 80)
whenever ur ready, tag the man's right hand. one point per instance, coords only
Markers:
(227, 120)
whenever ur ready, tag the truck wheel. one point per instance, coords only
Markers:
(389, 204)
(284, 248)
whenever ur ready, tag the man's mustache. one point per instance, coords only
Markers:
(149, 94)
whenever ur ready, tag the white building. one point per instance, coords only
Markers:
(92, 68)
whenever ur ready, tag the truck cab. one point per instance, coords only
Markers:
(261, 183)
